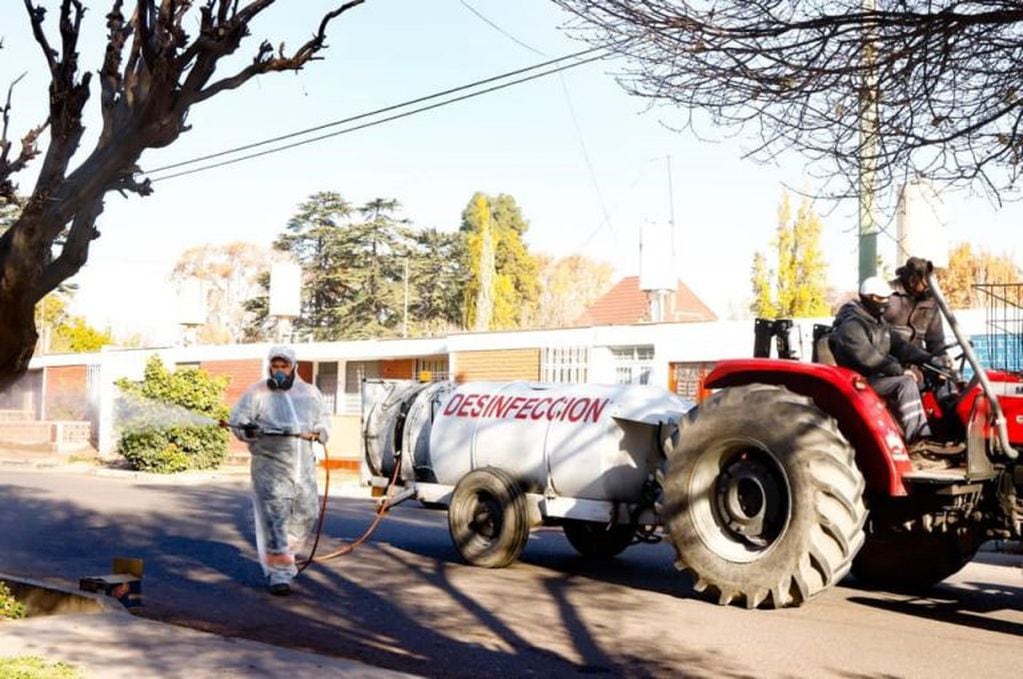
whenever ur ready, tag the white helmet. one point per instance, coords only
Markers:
(875, 286)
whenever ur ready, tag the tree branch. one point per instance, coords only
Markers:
(75, 251)
(29, 149)
(265, 63)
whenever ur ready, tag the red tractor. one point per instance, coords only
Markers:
(792, 474)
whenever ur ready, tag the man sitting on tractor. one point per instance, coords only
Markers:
(913, 311)
(863, 341)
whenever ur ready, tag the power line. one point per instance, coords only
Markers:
(376, 112)
(373, 123)
(571, 112)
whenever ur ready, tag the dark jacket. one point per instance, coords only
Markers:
(917, 321)
(867, 345)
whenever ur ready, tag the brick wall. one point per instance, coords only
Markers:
(66, 398)
(399, 369)
(498, 365)
(243, 374)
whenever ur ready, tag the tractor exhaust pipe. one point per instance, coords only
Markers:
(978, 370)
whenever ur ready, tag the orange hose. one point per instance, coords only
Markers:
(350, 547)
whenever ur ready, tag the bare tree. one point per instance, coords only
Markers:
(941, 78)
(152, 74)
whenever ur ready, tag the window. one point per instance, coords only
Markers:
(634, 364)
(561, 365)
(326, 382)
(436, 366)
(355, 373)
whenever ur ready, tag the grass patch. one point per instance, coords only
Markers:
(33, 667)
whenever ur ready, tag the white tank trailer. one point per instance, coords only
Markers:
(506, 457)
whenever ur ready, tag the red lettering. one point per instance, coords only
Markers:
(555, 413)
(526, 407)
(464, 410)
(537, 413)
(515, 404)
(453, 404)
(481, 403)
(597, 409)
(575, 412)
(496, 403)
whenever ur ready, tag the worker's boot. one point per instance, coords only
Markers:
(929, 455)
(280, 584)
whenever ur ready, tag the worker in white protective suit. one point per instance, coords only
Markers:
(280, 418)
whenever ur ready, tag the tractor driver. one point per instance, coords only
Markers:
(863, 341)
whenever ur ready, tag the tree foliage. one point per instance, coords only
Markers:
(967, 269)
(353, 263)
(66, 333)
(154, 71)
(941, 78)
(168, 419)
(568, 286)
(513, 282)
(437, 278)
(797, 287)
(230, 275)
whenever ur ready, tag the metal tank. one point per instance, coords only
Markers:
(596, 442)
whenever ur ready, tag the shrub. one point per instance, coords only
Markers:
(10, 608)
(34, 667)
(169, 420)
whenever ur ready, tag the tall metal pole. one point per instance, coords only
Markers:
(671, 210)
(868, 154)
(404, 315)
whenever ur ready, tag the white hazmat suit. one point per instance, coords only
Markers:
(284, 495)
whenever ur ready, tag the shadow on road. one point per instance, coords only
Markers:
(407, 607)
(969, 604)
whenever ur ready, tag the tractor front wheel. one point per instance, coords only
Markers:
(762, 498)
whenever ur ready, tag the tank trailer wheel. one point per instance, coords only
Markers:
(762, 498)
(914, 561)
(599, 540)
(488, 518)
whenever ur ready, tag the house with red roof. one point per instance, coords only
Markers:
(626, 304)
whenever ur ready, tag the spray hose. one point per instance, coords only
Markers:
(380, 513)
(351, 546)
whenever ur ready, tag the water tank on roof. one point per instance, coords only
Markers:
(285, 289)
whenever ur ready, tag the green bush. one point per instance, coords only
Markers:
(10, 608)
(168, 420)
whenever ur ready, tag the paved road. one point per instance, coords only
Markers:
(404, 601)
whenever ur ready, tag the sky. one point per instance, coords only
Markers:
(587, 163)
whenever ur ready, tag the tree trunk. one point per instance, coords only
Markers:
(17, 334)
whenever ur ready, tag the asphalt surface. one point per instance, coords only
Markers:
(403, 601)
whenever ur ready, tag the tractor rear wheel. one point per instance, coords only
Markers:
(914, 561)
(762, 498)
(488, 518)
(599, 540)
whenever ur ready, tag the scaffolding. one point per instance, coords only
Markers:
(1003, 341)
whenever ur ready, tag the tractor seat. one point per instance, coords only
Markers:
(822, 350)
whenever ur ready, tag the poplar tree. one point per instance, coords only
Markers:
(515, 274)
(798, 286)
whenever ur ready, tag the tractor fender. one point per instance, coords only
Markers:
(862, 416)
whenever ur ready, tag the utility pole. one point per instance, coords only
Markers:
(671, 211)
(404, 316)
(868, 153)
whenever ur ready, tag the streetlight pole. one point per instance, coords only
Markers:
(868, 154)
